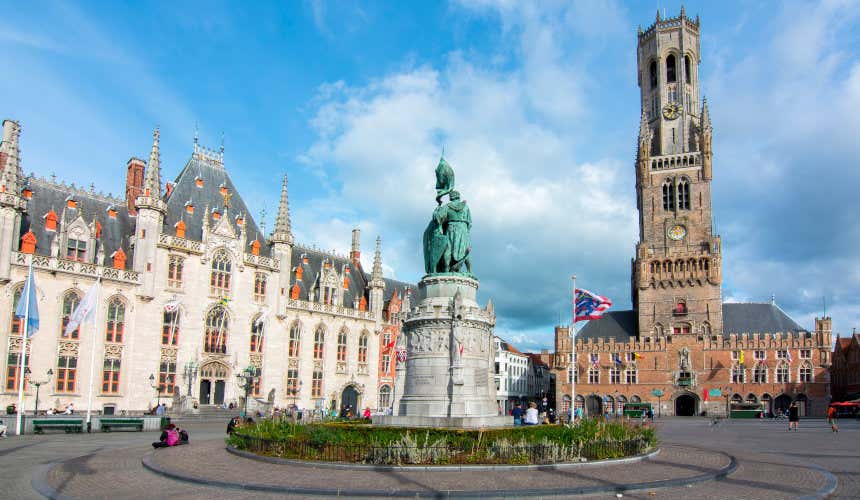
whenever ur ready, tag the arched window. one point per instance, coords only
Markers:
(110, 376)
(573, 374)
(738, 374)
(706, 329)
(614, 375)
(760, 373)
(765, 400)
(219, 279)
(805, 372)
(782, 371)
(668, 195)
(257, 334)
(687, 69)
(115, 326)
(684, 194)
(565, 407)
(341, 345)
(259, 287)
(652, 74)
(295, 339)
(362, 347)
(619, 405)
(217, 326)
(175, 264)
(671, 69)
(70, 303)
(751, 398)
(170, 325)
(736, 398)
(16, 325)
(319, 342)
(384, 397)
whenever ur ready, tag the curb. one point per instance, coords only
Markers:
(432, 468)
(587, 490)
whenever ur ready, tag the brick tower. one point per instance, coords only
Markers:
(677, 269)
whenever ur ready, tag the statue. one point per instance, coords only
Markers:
(447, 240)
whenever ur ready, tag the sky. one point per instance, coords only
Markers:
(535, 104)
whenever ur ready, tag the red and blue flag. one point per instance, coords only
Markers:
(589, 305)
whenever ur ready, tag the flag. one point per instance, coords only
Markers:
(595, 359)
(261, 319)
(741, 357)
(589, 305)
(705, 395)
(788, 356)
(28, 306)
(172, 305)
(636, 355)
(401, 355)
(85, 312)
(224, 301)
(388, 346)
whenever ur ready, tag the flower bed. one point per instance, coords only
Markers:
(542, 444)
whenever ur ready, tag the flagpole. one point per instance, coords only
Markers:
(93, 352)
(573, 357)
(22, 357)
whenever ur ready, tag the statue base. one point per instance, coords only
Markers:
(449, 379)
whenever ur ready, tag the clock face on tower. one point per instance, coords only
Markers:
(677, 232)
(671, 111)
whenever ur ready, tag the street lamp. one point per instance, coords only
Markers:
(246, 378)
(156, 387)
(189, 374)
(38, 383)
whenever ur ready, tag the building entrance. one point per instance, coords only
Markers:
(213, 383)
(685, 405)
(593, 406)
(349, 400)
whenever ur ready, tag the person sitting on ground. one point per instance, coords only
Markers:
(169, 437)
(366, 413)
(70, 409)
(531, 414)
(183, 436)
(231, 426)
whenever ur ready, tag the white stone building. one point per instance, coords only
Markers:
(512, 368)
(306, 321)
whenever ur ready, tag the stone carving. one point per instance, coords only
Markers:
(113, 351)
(447, 240)
(684, 355)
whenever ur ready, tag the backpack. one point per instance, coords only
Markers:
(172, 437)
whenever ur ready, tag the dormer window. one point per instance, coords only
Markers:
(71, 203)
(198, 182)
(216, 215)
(180, 229)
(76, 250)
(299, 272)
(223, 189)
(111, 213)
(189, 207)
(28, 193)
(51, 221)
(255, 247)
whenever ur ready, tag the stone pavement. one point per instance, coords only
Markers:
(771, 463)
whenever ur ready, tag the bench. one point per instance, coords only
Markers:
(112, 423)
(68, 424)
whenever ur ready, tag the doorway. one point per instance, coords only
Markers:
(685, 405)
(593, 406)
(205, 390)
(781, 404)
(349, 401)
(219, 392)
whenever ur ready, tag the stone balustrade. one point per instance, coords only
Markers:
(54, 264)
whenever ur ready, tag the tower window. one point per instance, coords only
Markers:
(687, 68)
(668, 195)
(652, 72)
(671, 70)
(684, 194)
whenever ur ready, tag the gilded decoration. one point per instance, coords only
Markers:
(294, 363)
(168, 353)
(15, 345)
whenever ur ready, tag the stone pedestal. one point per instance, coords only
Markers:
(450, 365)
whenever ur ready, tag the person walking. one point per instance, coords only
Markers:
(831, 419)
(793, 416)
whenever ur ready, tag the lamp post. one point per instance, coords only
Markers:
(156, 387)
(189, 374)
(38, 383)
(246, 378)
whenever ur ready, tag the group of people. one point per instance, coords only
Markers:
(171, 436)
(532, 416)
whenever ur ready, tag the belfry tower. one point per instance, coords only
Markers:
(676, 275)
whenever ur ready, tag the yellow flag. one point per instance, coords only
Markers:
(741, 357)
(636, 355)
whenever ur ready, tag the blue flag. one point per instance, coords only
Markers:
(28, 296)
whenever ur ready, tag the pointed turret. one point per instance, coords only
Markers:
(643, 150)
(282, 232)
(377, 284)
(152, 182)
(10, 162)
(706, 115)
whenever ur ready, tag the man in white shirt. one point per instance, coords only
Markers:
(70, 409)
(531, 415)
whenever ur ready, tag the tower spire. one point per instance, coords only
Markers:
(282, 231)
(152, 182)
(706, 116)
(11, 168)
(376, 275)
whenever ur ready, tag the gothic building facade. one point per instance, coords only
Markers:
(193, 293)
(680, 346)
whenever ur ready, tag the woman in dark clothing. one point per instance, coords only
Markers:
(793, 416)
(232, 425)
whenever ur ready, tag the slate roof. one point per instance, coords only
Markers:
(757, 318)
(737, 318)
(49, 196)
(185, 189)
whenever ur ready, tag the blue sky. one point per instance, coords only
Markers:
(536, 105)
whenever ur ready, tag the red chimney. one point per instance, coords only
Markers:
(133, 182)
